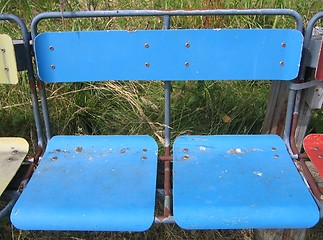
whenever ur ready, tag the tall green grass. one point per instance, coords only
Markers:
(124, 110)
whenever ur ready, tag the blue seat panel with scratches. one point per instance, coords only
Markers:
(208, 54)
(97, 183)
(238, 182)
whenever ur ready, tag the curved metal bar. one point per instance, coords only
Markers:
(310, 27)
(316, 191)
(10, 205)
(44, 105)
(306, 46)
(305, 58)
(31, 76)
(143, 13)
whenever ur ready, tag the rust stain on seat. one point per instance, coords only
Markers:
(78, 149)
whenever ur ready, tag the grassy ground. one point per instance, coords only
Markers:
(132, 107)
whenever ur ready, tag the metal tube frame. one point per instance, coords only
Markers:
(316, 190)
(146, 13)
(34, 99)
(167, 157)
(30, 70)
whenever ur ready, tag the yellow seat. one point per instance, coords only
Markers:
(8, 65)
(12, 153)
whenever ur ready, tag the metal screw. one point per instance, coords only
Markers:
(144, 158)
(186, 157)
(316, 148)
(10, 159)
(273, 148)
(276, 156)
(54, 158)
(14, 152)
(187, 45)
(283, 44)
(146, 45)
(6, 69)
(144, 150)
(187, 64)
(3, 50)
(321, 156)
(52, 66)
(147, 64)
(281, 63)
(185, 150)
(51, 48)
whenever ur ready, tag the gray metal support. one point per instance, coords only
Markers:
(128, 13)
(167, 88)
(31, 76)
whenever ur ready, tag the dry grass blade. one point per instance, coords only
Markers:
(129, 93)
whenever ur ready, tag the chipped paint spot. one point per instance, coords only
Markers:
(257, 173)
(78, 149)
(234, 151)
(199, 139)
(17, 211)
(123, 150)
(239, 151)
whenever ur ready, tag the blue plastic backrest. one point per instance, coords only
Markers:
(207, 54)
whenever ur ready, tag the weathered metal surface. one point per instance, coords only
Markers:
(168, 13)
(105, 183)
(235, 182)
(12, 153)
(20, 52)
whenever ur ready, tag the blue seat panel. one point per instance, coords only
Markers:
(95, 183)
(239, 182)
(207, 54)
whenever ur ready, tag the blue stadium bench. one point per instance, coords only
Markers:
(108, 183)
